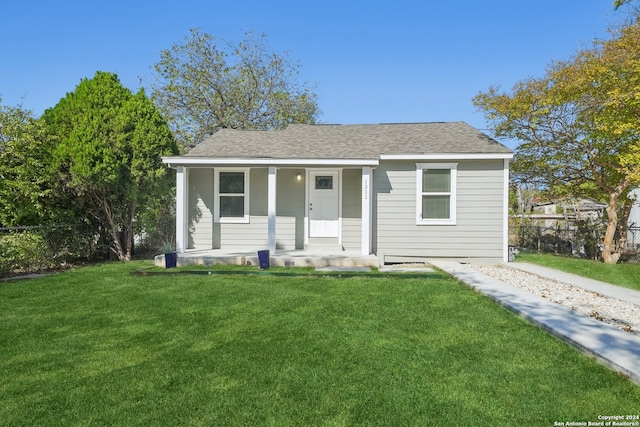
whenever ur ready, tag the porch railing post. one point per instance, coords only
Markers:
(271, 208)
(366, 210)
(181, 208)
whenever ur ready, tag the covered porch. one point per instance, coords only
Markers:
(302, 211)
(278, 258)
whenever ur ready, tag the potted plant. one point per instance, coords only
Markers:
(170, 255)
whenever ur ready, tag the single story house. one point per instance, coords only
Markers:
(403, 192)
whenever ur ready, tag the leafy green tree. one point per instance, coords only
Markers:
(579, 127)
(108, 148)
(205, 84)
(29, 187)
(31, 195)
(23, 185)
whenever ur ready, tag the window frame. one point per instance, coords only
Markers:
(453, 193)
(217, 195)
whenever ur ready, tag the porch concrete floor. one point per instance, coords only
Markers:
(281, 258)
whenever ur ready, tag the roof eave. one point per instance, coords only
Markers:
(448, 156)
(175, 161)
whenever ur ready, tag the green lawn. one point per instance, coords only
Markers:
(97, 346)
(622, 274)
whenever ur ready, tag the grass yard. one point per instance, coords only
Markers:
(622, 274)
(97, 346)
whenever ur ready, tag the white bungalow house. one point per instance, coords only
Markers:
(387, 192)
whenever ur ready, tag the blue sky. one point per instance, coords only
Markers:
(370, 61)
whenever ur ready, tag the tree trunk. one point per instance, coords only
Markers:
(115, 239)
(128, 232)
(114, 232)
(611, 253)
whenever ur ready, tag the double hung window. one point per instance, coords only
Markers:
(436, 193)
(232, 195)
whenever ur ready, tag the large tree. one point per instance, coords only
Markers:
(23, 185)
(205, 83)
(30, 191)
(580, 127)
(108, 148)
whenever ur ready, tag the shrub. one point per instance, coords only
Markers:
(25, 252)
(45, 247)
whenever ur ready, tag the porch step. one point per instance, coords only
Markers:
(324, 247)
(279, 258)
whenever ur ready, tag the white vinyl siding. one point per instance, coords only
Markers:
(478, 232)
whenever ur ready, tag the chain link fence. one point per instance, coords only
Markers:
(37, 248)
(582, 241)
(633, 238)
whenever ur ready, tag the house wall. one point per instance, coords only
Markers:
(200, 205)
(352, 209)
(254, 234)
(478, 232)
(205, 234)
(290, 209)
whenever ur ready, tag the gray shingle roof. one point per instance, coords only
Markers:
(348, 141)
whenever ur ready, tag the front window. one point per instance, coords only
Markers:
(232, 195)
(436, 193)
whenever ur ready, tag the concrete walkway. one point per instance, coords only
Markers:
(615, 348)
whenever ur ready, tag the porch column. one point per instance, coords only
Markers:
(366, 210)
(271, 208)
(182, 192)
(505, 211)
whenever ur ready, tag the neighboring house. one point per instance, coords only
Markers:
(403, 192)
(633, 232)
(634, 216)
(567, 211)
(566, 225)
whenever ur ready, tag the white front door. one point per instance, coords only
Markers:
(323, 203)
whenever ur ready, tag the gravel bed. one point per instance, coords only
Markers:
(621, 314)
